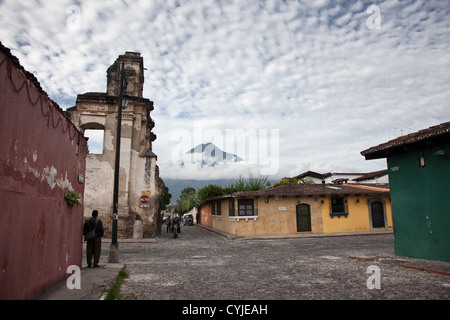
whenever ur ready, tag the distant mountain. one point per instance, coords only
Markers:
(208, 154)
(204, 157)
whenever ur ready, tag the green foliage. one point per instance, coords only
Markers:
(286, 180)
(253, 184)
(186, 192)
(113, 293)
(72, 198)
(165, 199)
(210, 191)
(190, 198)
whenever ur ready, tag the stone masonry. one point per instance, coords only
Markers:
(138, 174)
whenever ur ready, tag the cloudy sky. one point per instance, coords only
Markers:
(310, 83)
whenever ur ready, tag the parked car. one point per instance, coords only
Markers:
(188, 220)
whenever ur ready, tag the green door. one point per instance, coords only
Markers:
(303, 218)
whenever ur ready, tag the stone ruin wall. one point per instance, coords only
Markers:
(138, 173)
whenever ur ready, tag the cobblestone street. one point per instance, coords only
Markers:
(202, 265)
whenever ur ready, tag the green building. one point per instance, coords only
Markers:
(419, 178)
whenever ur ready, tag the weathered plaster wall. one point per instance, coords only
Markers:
(205, 215)
(41, 157)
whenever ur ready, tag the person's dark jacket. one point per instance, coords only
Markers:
(90, 224)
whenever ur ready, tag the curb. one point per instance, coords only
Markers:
(230, 236)
(443, 273)
(407, 266)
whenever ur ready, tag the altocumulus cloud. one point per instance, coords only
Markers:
(313, 70)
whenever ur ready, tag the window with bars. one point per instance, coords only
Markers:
(246, 207)
(219, 208)
(338, 205)
(231, 211)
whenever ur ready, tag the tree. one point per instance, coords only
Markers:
(286, 180)
(190, 198)
(187, 200)
(186, 192)
(165, 199)
(253, 184)
(209, 191)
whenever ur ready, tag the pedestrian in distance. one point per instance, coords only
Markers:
(93, 233)
(168, 223)
(176, 224)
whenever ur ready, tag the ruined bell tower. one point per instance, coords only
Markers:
(134, 73)
(139, 189)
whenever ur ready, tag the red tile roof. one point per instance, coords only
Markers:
(313, 174)
(292, 190)
(372, 175)
(441, 131)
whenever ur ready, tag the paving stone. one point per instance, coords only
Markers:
(203, 265)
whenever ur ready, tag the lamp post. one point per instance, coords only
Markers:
(123, 103)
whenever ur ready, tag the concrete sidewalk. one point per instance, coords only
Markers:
(230, 236)
(95, 282)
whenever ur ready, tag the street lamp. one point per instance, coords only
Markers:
(124, 98)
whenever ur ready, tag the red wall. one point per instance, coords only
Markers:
(206, 215)
(40, 235)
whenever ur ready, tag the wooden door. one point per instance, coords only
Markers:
(377, 214)
(303, 218)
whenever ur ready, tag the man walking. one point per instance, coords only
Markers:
(168, 223)
(93, 233)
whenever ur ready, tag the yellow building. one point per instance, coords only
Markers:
(295, 208)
